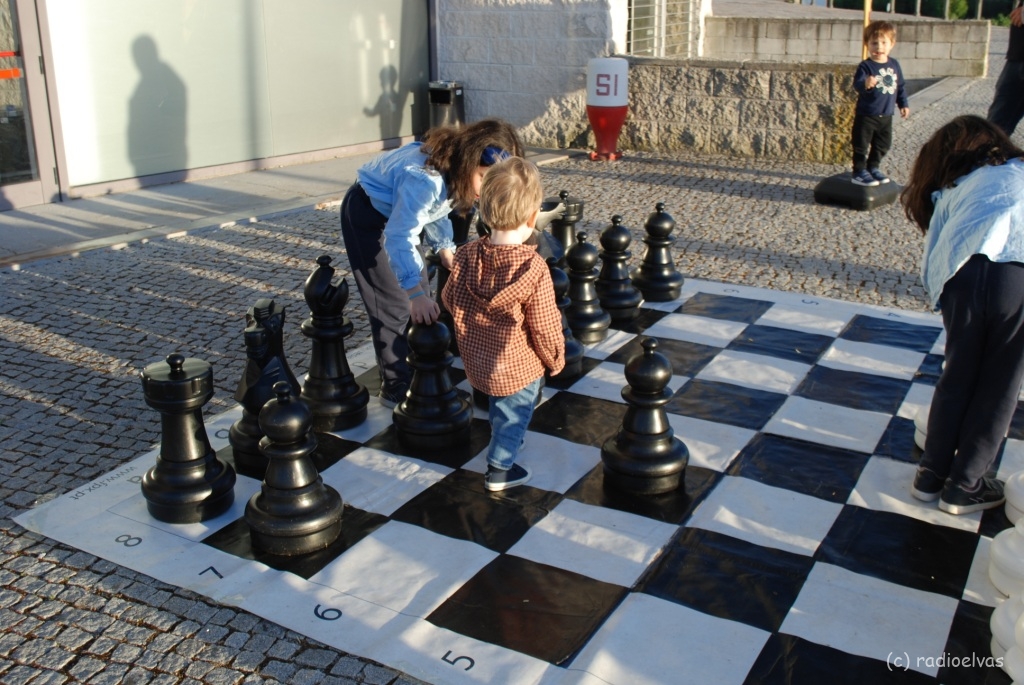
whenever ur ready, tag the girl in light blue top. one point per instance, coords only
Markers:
(966, 194)
(400, 205)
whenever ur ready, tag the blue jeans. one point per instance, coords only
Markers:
(510, 417)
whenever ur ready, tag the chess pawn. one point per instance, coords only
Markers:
(615, 289)
(1014, 491)
(589, 323)
(563, 228)
(329, 388)
(265, 365)
(432, 414)
(573, 348)
(1006, 560)
(189, 483)
(645, 457)
(1003, 624)
(294, 512)
(657, 277)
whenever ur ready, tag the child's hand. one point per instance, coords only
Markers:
(904, 112)
(870, 82)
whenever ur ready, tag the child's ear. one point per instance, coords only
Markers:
(532, 221)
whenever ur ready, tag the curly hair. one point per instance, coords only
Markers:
(457, 152)
(955, 150)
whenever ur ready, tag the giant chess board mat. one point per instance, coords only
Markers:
(793, 553)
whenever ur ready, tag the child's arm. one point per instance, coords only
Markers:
(862, 79)
(902, 101)
(543, 323)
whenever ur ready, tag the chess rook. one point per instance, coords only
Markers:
(432, 414)
(614, 287)
(189, 483)
(589, 323)
(564, 228)
(265, 365)
(573, 348)
(657, 277)
(329, 388)
(645, 457)
(294, 512)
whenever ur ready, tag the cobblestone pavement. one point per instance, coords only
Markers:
(75, 332)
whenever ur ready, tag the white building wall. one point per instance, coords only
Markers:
(525, 60)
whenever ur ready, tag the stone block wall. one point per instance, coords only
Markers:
(925, 48)
(753, 109)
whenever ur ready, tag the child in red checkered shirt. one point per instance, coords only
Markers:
(507, 325)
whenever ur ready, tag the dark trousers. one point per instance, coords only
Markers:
(872, 138)
(387, 304)
(1007, 108)
(983, 312)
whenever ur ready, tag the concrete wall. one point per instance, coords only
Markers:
(925, 49)
(753, 109)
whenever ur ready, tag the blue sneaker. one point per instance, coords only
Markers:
(863, 178)
(878, 176)
(496, 480)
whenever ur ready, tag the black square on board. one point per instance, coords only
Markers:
(900, 549)
(458, 506)
(356, 524)
(787, 659)
(578, 418)
(453, 456)
(540, 610)
(854, 389)
(897, 442)
(891, 331)
(670, 507)
(783, 343)
(687, 358)
(930, 370)
(729, 578)
(725, 403)
(828, 473)
(969, 645)
(725, 307)
(644, 319)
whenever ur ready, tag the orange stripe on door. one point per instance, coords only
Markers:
(9, 73)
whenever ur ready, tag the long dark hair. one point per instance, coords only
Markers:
(457, 152)
(958, 148)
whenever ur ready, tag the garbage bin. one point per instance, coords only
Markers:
(446, 105)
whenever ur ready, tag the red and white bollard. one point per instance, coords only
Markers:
(607, 103)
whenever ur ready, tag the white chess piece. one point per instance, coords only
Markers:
(1014, 491)
(1006, 560)
(1004, 623)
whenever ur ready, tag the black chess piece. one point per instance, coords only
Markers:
(189, 483)
(657, 277)
(432, 414)
(329, 388)
(563, 228)
(645, 457)
(265, 365)
(589, 323)
(615, 289)
(573, 348)
(294, 512)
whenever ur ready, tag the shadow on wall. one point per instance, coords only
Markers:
(157, 114)
(389, 105)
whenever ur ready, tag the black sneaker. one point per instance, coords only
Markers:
(391, 396)
(496, 479)
(927, 485)
(956, 500)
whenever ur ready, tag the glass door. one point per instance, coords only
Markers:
(27, 171)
